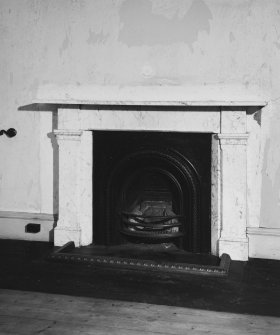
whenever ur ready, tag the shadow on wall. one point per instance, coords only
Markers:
(51, 136)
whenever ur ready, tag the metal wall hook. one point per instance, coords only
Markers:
(11, 132)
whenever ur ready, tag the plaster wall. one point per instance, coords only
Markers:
(191, 43)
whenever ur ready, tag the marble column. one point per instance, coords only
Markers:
(233, 183)
(75, 187)
(233, 239)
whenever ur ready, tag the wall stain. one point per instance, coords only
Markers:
(94, 37)
(231, 37)
(64, 45)
(270, 206)
(140, 26)
(11, 78)
(34, 87)
(277, 44)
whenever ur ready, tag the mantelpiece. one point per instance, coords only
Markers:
(153, 109)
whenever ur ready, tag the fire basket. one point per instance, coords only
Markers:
(152, 228)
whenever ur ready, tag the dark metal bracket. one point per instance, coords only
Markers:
(11, 132)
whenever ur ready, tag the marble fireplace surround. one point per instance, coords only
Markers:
(226, 120)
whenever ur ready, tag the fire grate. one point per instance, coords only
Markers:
(154, 229)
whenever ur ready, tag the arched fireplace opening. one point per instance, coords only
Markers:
(152, 205)
(152, 188)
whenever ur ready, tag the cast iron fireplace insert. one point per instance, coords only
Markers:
(152, 188)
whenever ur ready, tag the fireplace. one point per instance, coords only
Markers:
(155, 184)
(153, 187)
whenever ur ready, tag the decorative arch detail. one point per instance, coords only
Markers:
(164, 161)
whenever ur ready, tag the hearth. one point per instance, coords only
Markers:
(152, 187)
(152, 204)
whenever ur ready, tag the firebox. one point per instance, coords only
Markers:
(152, 187)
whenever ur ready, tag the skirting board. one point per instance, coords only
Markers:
(264, 243)
(13, 226)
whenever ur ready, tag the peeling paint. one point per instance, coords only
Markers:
(140, 26)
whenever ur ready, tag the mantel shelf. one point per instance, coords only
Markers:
(210, 103)
(181, 96)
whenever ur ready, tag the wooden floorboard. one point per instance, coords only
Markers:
(24, 312)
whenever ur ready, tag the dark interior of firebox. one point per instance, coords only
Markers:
(152, 188)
